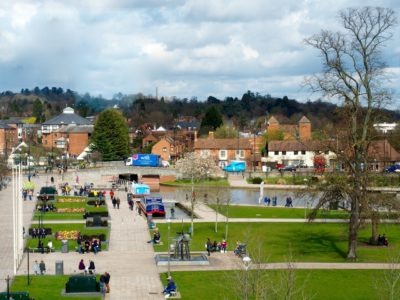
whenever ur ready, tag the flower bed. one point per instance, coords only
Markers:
(70, 210)
(71, 200)
(67, 235)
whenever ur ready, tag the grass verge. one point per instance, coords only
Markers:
(45, 287)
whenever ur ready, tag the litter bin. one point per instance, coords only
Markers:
(64, 246)
(59, 267)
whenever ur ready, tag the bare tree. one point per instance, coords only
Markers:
(388, 285)
(354, 73)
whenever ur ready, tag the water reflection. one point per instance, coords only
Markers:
(236, 195)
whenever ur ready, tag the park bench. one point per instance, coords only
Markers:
(45, 250)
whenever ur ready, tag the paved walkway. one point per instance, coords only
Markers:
(130, 259)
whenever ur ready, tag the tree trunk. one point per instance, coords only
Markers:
(374, 228)
(353, 230)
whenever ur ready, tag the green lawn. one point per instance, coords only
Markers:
(318, 284)
(70, 216)
(197, 183)
(240, 211)
(72, 243)
(44, 287)
(308, 242)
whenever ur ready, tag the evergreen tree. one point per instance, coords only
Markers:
(211, 120)
(37, 110)
(110, 136)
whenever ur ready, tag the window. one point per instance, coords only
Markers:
(303, 152)
(223, 154)
(296, 152)
(204, 153)
(164, 149)
(283, 152)
(239, 153)
(276, 152)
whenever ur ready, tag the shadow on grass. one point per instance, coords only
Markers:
(311, 244)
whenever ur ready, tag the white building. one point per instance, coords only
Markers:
(385, 127)
(294, 152)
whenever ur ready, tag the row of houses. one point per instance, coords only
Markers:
(70, 133)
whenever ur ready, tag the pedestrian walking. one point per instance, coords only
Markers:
(118, 202)
(102, 284)
(107, 281)
(208, 246)
(42, 267)
(36, 268)
(114, 201)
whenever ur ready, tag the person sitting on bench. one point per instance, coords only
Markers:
(156, 237)
(170, 288)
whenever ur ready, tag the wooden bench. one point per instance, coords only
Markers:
(45, 250)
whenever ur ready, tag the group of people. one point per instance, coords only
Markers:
(65, 189)
(39, 268)
(289, 202)
(215, 246)
(46, 207)
(86, 246)
(91, 268)
(267, 200)
(27, 194)
(38, 233)
(382, 240)
(115, 201)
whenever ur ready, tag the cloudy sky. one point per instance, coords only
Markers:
(184, 48)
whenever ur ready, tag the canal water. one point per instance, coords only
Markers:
(237, 196)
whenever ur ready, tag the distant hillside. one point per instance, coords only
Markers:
(251, 108)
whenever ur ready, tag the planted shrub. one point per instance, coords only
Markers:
(256, 180)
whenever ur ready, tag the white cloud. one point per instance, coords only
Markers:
(186, 48)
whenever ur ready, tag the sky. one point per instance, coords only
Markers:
(192, 48)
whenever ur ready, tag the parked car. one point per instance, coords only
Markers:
(392, 169)
(289, 168)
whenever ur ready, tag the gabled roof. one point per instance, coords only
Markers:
(226, 144)
(67, 117)
(304, 119)
(273, 120)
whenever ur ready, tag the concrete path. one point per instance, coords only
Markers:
(130, 259)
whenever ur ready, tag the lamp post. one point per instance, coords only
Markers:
(246, 263)
(17, 214)
(169, 247)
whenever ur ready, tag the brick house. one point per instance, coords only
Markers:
(300, 131)
(8, 138)
(224, 150)
(168, 148)
(51, 126)
(73, 139)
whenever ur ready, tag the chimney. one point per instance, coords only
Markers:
(211, 134)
